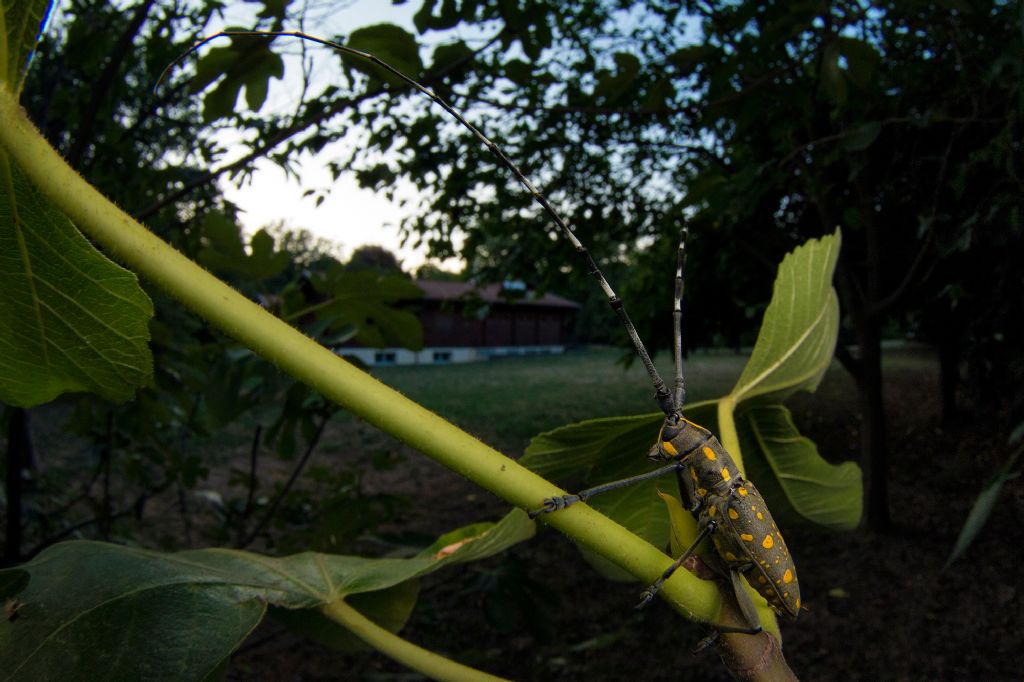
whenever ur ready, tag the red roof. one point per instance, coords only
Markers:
(488, 293)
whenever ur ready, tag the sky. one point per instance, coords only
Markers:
(349, 216)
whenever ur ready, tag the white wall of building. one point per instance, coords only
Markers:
(379, 357)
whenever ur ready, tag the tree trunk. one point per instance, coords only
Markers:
(866, 369)
(874, 448)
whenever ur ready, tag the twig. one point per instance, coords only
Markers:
(246, 540)
(254, 452)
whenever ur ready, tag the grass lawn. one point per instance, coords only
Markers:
(510, 400)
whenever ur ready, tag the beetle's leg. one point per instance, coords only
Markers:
(647, 595)
(688, 488)
(747, 608)
(555, 503)
(746, 604)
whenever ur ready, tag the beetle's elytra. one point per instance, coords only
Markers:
(746, 536)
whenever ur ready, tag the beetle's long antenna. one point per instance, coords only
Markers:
(662, 394)
(677, 318)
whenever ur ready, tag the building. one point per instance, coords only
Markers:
(463, 322)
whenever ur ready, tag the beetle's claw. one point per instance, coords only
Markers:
(552, 504)
(705, 643)
(646, 596)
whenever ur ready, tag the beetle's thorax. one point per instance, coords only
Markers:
(679, 438)
(708, 463)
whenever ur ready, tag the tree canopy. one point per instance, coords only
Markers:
(760, 124)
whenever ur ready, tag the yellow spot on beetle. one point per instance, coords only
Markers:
(745, 536)
(761, 579)
(725, 474)
(741, 491)
(768, 542)
(798, 602)
(760, 516)
(729, 556)
(702, 492)
(693, 473)
(787, 577)
(709, 453)
(669, 448)
(733, 514)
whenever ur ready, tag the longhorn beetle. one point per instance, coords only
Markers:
(728, 507)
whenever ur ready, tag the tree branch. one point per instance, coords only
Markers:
(259, 151)
(102, 86)
(847, 132)
(883, 306)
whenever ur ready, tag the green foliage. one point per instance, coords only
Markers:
(225, 251)
(611, 85)
(180, 615)
(799, 331)
(20, 24)
(70, 319)
(683, 527)
(93, 96)
(392, 44)
(791, 473)
(365, 301)
(782, 122)
(793, 351)
(250, 64)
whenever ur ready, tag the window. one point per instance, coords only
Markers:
(442, 356)
(384, 358)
